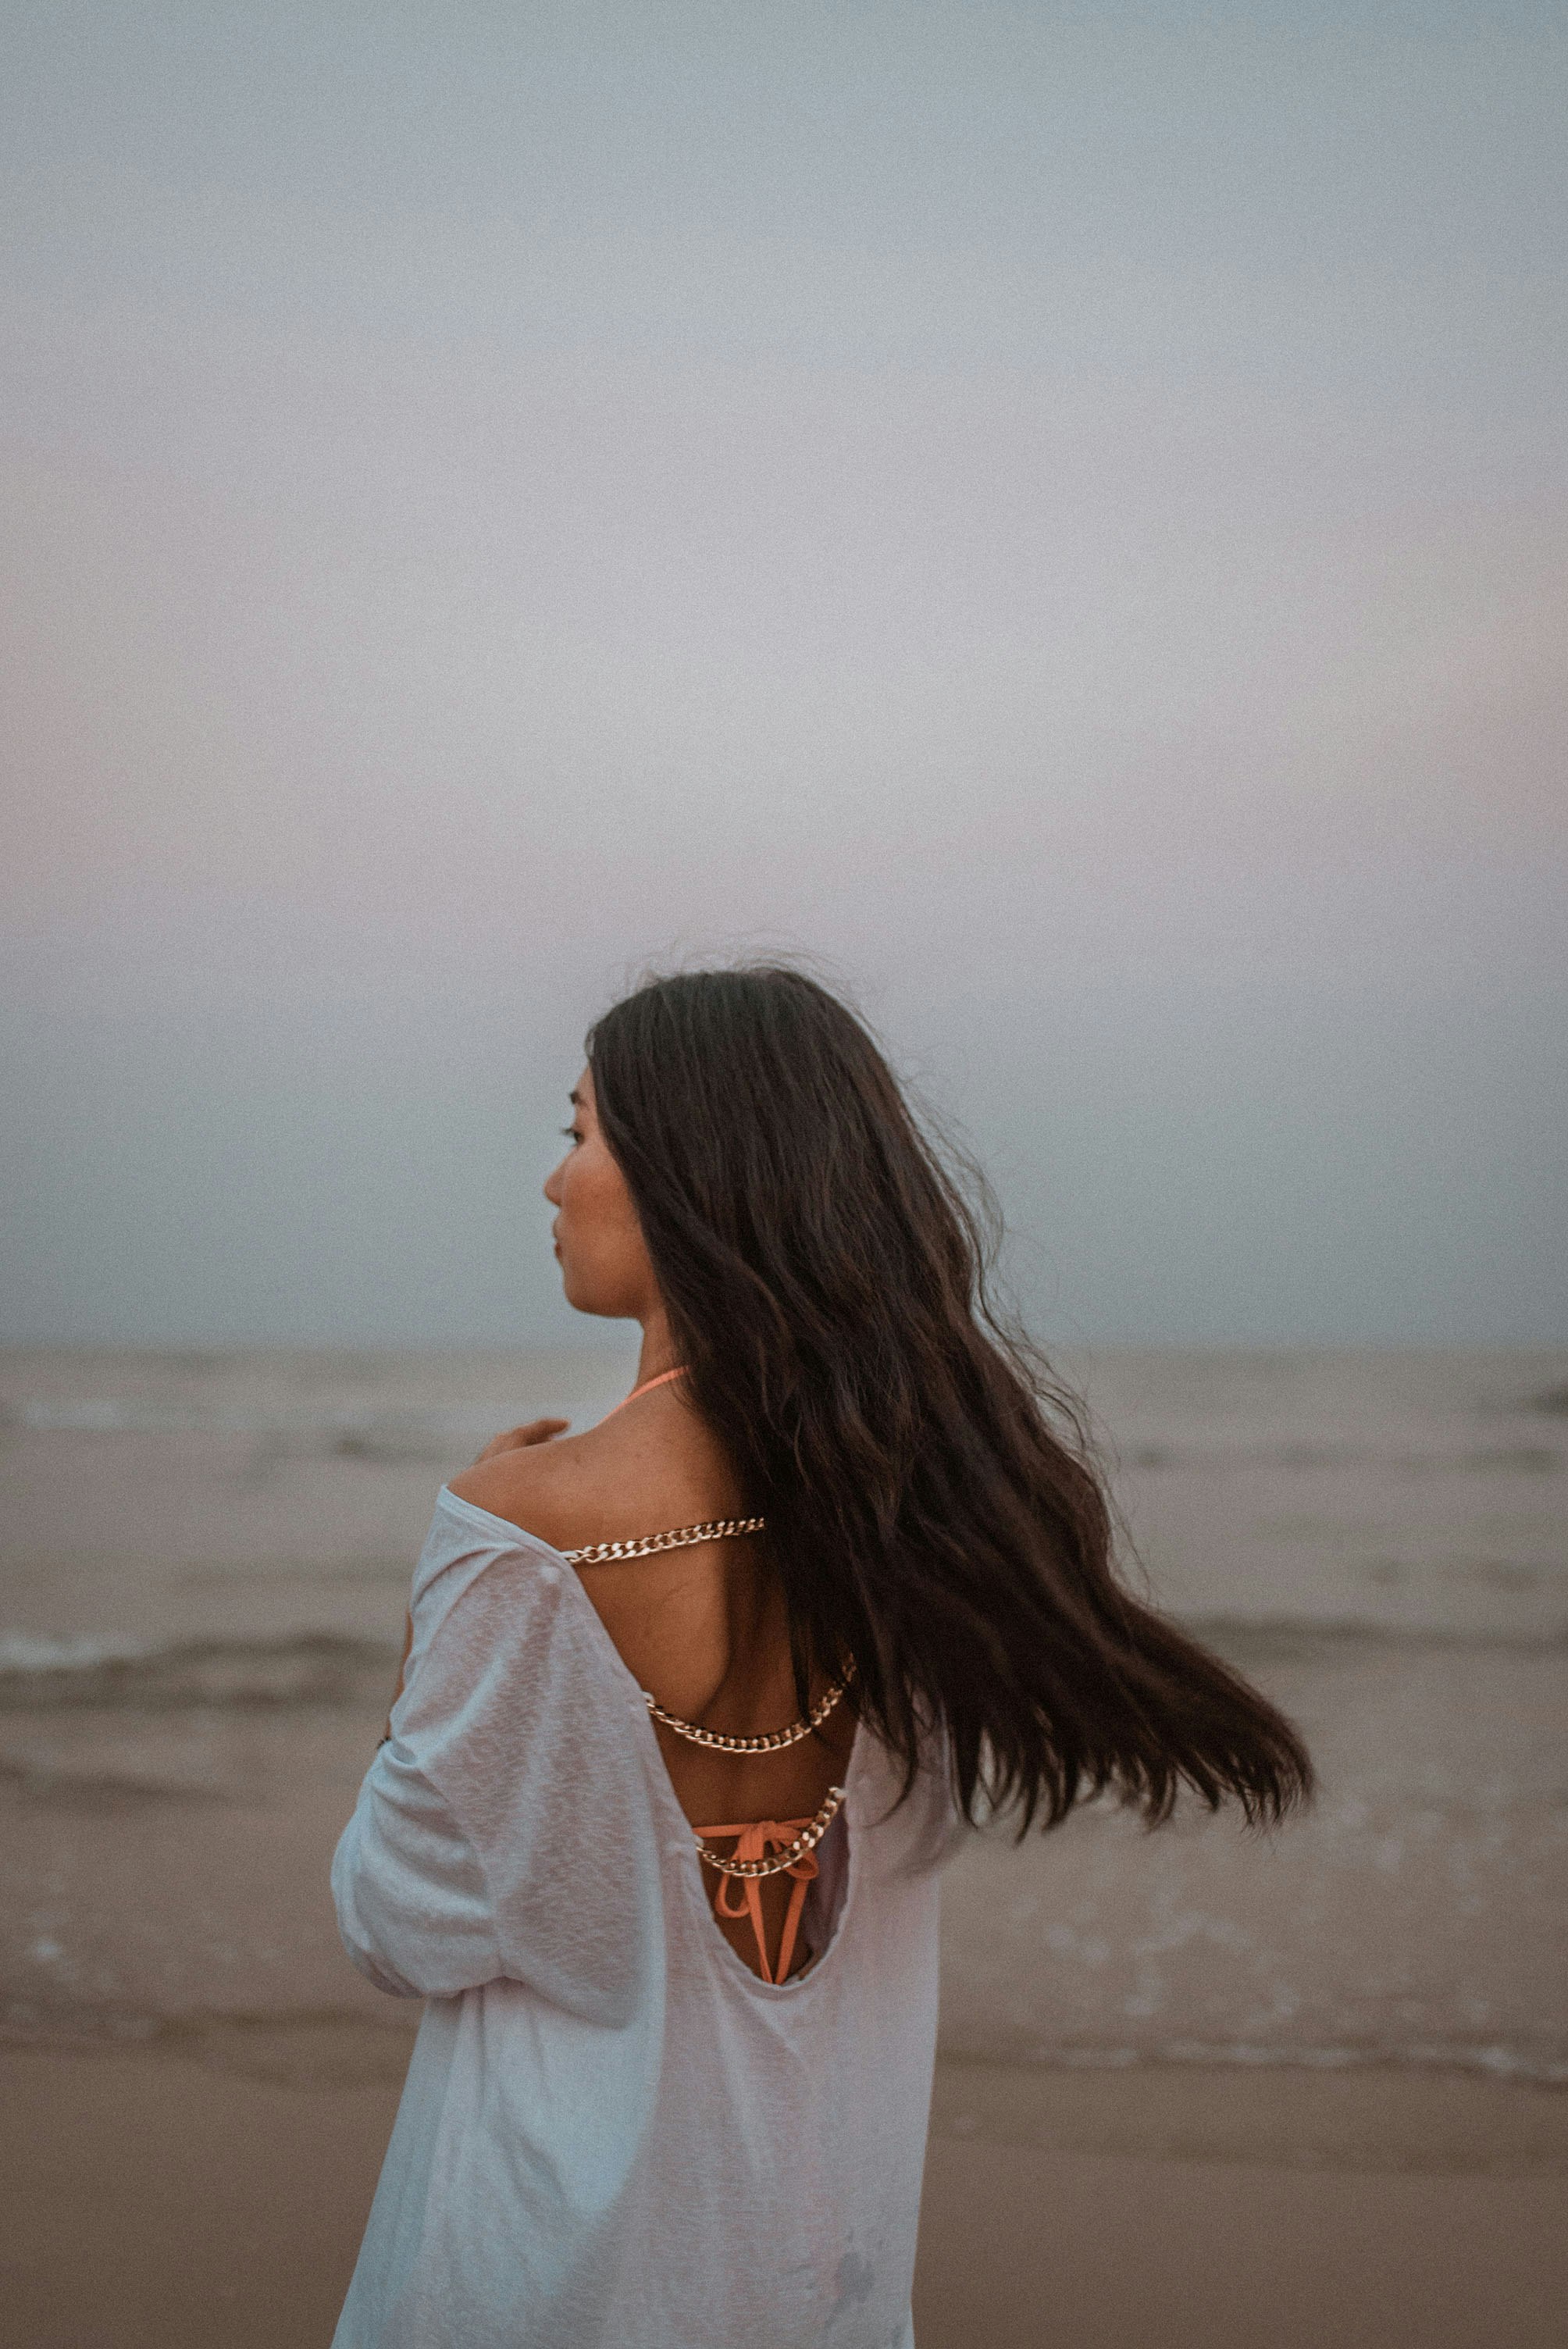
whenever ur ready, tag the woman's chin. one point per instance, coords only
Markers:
(583, 1298)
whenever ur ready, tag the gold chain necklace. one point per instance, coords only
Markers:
(650, 1544)
(809, 1836)
(774, 1741)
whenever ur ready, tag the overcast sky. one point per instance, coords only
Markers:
(1058, 511)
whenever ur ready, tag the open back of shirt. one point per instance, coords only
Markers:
(614, 2135)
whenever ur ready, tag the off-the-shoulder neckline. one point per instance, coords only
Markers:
(509, 1525)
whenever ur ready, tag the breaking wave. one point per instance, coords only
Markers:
(302, 1668)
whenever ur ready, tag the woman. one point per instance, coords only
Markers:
(695, 1704)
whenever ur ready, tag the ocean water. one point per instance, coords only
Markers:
(203, 1567)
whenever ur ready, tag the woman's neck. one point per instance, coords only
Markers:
(658, 1352)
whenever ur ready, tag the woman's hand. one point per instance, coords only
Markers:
(515, 1439)
(402, 1668)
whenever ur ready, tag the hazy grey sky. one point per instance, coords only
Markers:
(1060, 511)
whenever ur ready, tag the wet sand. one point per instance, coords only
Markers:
(165, 2200)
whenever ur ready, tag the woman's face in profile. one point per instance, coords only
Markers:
(604, 1265)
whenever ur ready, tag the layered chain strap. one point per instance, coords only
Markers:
(650, 1544)
(809, 1836)
(773, 1741)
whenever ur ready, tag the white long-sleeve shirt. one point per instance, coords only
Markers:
(613, 2134)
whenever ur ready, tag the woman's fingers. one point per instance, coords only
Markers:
(402, 1669)
(514, 1439)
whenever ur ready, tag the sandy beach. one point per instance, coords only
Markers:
(1193, 2091)
(166, 2199)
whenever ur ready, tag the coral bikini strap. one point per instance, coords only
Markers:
(754, 1841)
(647, 1387)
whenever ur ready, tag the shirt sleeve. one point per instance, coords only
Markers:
(507, 1829)
(413, 1906)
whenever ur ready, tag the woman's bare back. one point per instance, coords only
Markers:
(702, 1630)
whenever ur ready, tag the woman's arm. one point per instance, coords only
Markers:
(402, 1670)
(510, 1757)
(413, 1906)
(511, 1439)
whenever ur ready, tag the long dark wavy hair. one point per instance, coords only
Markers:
(931, 1504)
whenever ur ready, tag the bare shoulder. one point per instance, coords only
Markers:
(544, 1488)
(632, 1475)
